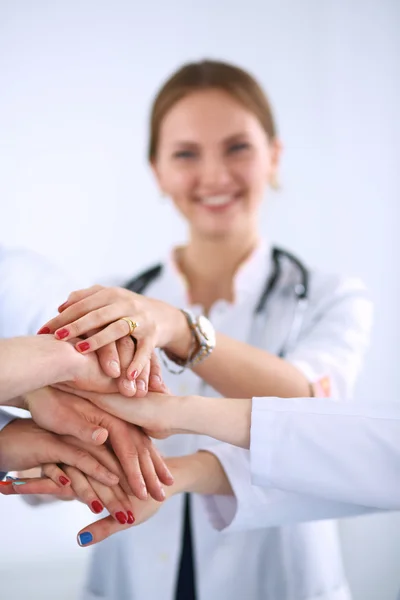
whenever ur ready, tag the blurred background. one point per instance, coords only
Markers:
(76, 83)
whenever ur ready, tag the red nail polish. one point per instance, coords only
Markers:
(97, 507)
(63, 480)
(134, 374)
(121, 517)
(131, 518)
(83, 346)
(43, 330)
(62, 333)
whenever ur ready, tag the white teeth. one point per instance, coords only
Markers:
(216, 200)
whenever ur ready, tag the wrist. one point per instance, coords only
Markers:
(179, 339)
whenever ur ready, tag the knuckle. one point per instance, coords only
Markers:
(80, 458)
(126, 344)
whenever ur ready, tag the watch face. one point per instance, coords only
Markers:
(207, 330)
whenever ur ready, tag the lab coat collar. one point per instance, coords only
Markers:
(250, 278)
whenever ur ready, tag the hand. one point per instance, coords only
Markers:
(23, 445)
(159, 324)
(68, 414)
(124, 511)
(78, 486)
(88, 372)
(158, 414)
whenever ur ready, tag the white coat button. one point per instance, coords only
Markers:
(164, 557)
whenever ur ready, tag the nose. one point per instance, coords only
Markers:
(214, 174)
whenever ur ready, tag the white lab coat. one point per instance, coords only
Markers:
(345, 458)
(300, 562)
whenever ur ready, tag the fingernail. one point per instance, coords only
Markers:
(63, 480)
(62, 333)
(134, 374)
(83, 346)
(155, 379)
(11, 479)
(121, 517)
(43, 330)
(6, 482)
(163, 493)
(97, 507)
(114, 367)
(19, 482)
(169, 474)
(129, 385)
(131, 518)
(99, 432)
(141, 385)
(85, 538)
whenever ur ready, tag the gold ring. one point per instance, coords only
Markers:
(132, 324)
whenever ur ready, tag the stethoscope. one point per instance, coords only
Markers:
(300, 294)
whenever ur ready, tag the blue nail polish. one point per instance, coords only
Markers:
(9, 478)
(19, 482)
(85, 538)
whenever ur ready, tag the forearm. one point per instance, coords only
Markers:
(29, 363)
(224, 419)
(199, 473)
(236, 369)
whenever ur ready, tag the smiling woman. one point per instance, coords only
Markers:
(214, 151)
(214, 147)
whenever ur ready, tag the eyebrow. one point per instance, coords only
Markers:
(190, 144)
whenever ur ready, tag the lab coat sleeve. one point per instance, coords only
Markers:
(333, 343)
(254, 507)
(331, 450)
(31, 289)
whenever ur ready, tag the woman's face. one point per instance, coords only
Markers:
(214, 160)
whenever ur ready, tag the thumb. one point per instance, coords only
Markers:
(79, 427)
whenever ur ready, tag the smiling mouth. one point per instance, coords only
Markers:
(219, 202)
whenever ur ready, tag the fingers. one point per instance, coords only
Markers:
(74, 423)
(106, 456)
(156, 383)
(150, 475)
(85, 462)
(127, 443)
(115, 500)
(142, 383)
(144, 350)
(126, 351)
(56, 474)
(79, 295)
(109, 360)
(73, 312)
(135, 452)
(99, 531)
(83, 490)
(42, 486)
(113, 328)
(160, 467)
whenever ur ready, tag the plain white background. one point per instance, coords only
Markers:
(76, 82)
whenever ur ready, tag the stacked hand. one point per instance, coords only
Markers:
(97, 457)
(105, 316)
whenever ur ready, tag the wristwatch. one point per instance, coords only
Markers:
(204, 341)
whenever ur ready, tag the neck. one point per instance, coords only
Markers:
(210, 265)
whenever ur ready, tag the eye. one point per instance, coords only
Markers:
(239, 147)
(185, 154)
